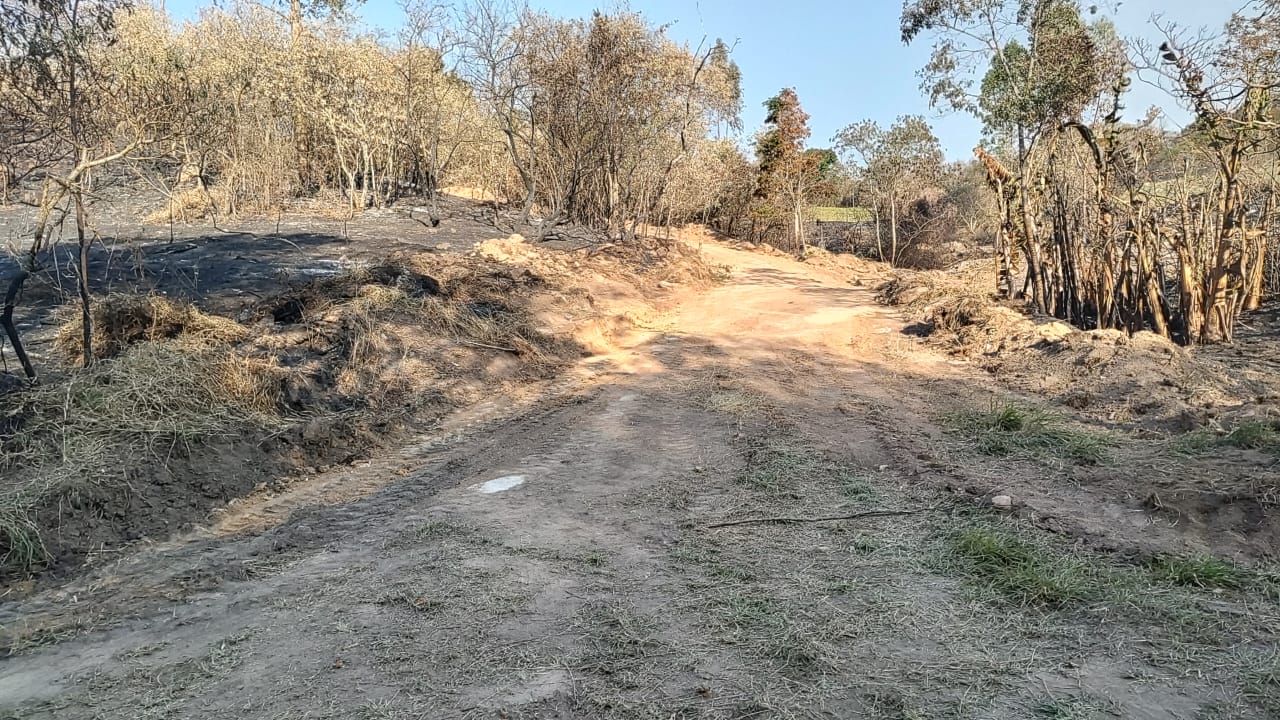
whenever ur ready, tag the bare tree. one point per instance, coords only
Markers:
(92, 112)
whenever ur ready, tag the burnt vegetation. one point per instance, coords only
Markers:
(1104, 219)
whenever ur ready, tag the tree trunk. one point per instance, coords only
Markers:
(893, 231)
(879, 238)
(11, 330)
(86, 316)
(797, 227)
(301, 131)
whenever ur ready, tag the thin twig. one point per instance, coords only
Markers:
(487, 347)
(854, 516)
(288, 241)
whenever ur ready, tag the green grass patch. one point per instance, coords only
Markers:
(1203, 571)
(1032, 569)
(840, 214)
(1248, 435)
(1012, 429)
(711, 560)
(744, 610)
(1026, 571)
(856, 488)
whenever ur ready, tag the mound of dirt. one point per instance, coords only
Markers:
(1108, 376)
(646, 261)
(598, 292)
(844, 262)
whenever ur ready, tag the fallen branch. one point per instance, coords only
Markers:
(790, 520)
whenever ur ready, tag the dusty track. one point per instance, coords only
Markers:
(594, 589)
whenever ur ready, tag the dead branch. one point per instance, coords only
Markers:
(829, 518)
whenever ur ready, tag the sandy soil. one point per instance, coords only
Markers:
(599, 586)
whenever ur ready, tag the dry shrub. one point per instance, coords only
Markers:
(184, 206)
(122, 320)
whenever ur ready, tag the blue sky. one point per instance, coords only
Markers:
(845, 60)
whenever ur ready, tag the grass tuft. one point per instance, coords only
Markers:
(1030, 573)
(1011, 429)
(20, 542)
(1202, 571)
(122, 320)
(1247, 435)
(776, 465)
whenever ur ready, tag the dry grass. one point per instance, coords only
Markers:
(475, 306)
(958, 310)
(184, 206)
(378, 346)
(720, 392)
(483, 326)
(969, 285)
(954, 614)
(100, 424)
(121, 320)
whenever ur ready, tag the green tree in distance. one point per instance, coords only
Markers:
(894, 164)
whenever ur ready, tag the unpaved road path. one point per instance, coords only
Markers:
(595, 588)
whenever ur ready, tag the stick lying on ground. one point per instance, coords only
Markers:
(854, 516)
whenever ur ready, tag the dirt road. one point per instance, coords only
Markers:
(558, 558)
